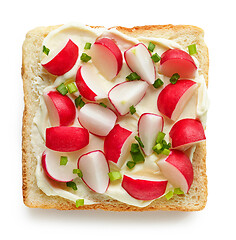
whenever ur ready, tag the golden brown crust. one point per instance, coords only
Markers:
(33, 197)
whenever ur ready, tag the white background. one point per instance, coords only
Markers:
(217, 18)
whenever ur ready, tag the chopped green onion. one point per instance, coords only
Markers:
(71, 185)
(72, 87)
(130, 164)
(63, 160)
(79, 203)
(85, 57)
(155, 57)
(159, 146)
(114, 175)
(158, 83)
(174, 78)
(134, 147)
(169, 195)
(87, 45)
(137, 157)
(62, 89)
(46, 50)
(166, 151)
(133, 76)
(139, 141)
(102, 104)
(178, 191)
(160, 137)
(132, 110)
(79, 101)
(192, 49)
(78, 172)
(151, 47)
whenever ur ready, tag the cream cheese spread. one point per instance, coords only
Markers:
(196, 108)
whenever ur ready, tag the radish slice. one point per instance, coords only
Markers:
(149, 125)
(95, 171)
(138, 59)
(126, 94)
(177, 61)
(52, 167)
(107, 57)
(97, 119)
(60, 62)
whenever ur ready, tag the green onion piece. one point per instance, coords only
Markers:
(46, 50)
(78, 172)
(178, 191)
(159, 146)
(151, 47)
(72, 87)
(85, 57)
(79, 102)
(62, 89)
(133, 76)
(158, 83)
(71, 185)
(192, 49)
(134, 147)
(155, 57)
(79, 203)
(130, 164)
(87, 45)
(114, 175)
(63, 160)
(132, 110)
(104, 105)
(137, 157)
(160, 137)
(166, 151)
(174, 78)
(139, 141)
(169, 195)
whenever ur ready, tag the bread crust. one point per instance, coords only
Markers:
(33, 197)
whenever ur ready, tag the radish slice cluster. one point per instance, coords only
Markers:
(94, 81)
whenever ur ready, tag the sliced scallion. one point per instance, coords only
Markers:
(79, 203)
(71, 185)
(79, 102)
(192, 49)
(62, 89)
(139, 141)
(155, 57)
(85, 57)
(174, 78)
(158, 83)
(151, 46)
(72, 87)
(132, 110)
(87, 45)
(130, 164)
(133, 76)
(78, 172)
(63, 160)
(114, 175)
(46, 50)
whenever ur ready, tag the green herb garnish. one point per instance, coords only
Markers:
(132, 110)
(62, 89)
(79, 102)
(192, 49)
(151, 47)
(87, 45)
(46, 50)
(158, 83)
(114, 175)
(79, 203)
(139, 141)
(130, 164)
(63, 160)
(85, 57)
(78, 172)
(155, 57)
(161, 147)
(133, 76)
(72, 87)
(174, 78)
(102, 104)
(71, 185)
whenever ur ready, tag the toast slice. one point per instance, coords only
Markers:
(33, 197)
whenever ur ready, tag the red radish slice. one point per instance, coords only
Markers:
(117, 143)
(149, 125)
(97, 119)
(186, 133)
(53, 169)
(90, 84)
(63, 61)
(66, 139)
(173, 98)
(177, 61)
(178, 169)
(126, 94)
(95, 171)
(138, 59)
(61, 109)
(144, 189)
(107, 57)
